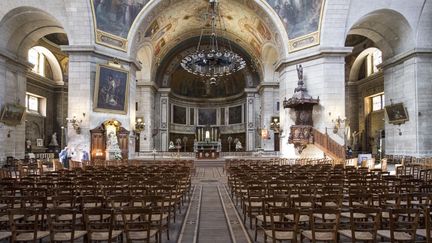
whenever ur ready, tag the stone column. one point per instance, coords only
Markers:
(12, 90)
(407, 80)
(82, 73)
(324, 76)
(250, 120)
(269, 95)
(146, 109)
(164, 118)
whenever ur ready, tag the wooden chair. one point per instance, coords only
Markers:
(138, 225)
(282, 229)
(363, 228)
(27, 228)
(324, 228)
(62, 224)
(262, 221)
(99, 227)
(403, 225)
(426, 232)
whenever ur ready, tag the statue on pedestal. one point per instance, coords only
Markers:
(54, 142)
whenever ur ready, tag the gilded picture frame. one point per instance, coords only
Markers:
(396, 113)
(12, 114)
(111, 93)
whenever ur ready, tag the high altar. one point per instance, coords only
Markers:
(207, 143)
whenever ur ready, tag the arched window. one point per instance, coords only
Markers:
(37, 58)
(373, 60)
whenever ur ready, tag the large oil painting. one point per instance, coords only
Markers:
(302, 20)
(111, 89)
(207, 117)
(12, 114)
(396, 113)
(113, 20)
(179, 115)
(235, 115)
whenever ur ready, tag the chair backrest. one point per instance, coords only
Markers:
(137, 219)
(279, 224)
(324, 220)
(96, 221)
(24, 224)
(57, 224)
(368, 224)
(404, 220)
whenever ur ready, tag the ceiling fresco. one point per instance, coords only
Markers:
(184, 19)
(165, 23)
(113, 20)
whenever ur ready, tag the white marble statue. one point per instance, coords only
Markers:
(54, 142)
(113, 148)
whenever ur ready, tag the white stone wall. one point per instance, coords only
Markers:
(146, 101)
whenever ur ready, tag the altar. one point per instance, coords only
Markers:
(207, 143)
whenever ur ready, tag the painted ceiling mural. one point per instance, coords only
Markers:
(113, 20)
(302, 20)
(170, 21)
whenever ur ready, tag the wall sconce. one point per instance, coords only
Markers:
(265, 134)
(139, 125)
(338, 122)
(275, 124)
(9, 133)
(75, 123)
(400, 131)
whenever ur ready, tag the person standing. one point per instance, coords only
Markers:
(64, 158)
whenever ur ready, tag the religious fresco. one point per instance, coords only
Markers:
(207, 117)
(235, 115)
(302, 20)
(113, 20)
(179, 115)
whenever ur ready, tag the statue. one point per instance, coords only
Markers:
(28, 145)
(113, 147)
(112, 140)
(171, 145)
(238, 146)
(299, 72)
(54, 142)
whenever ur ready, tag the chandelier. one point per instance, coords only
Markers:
(213, 61)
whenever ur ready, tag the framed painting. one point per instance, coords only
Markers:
(111, 90)
(396, 113)
(12, 114)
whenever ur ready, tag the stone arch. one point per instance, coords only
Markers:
(388, 29)
(355, 69)
(145, 57)
(53, 62)
(146, 16)
(269, 58)
(22, 27)
(424, 31)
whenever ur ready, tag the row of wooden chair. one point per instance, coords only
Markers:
(260, 188)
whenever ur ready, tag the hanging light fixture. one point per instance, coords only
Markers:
(213, 61)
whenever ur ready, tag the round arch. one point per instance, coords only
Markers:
(22, 27)
(354, 73)
(53, 62)
(388, 29)
(147, 15)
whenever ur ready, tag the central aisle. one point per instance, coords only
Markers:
(211, 216)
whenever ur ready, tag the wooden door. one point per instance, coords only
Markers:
(276, 142)
(98, 143)
(123, 140)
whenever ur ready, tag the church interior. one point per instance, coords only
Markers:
(216, 120)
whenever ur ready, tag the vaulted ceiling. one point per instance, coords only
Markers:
(171, 22)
